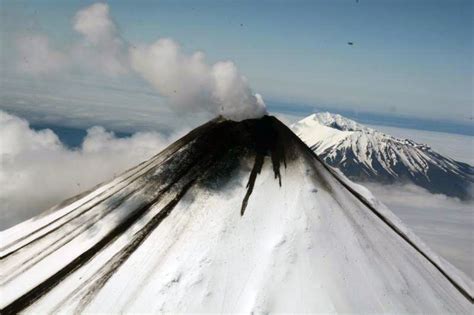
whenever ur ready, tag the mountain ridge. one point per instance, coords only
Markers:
(364, 154)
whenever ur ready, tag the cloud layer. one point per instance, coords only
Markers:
(187, 81)
(444, 223)
(38, 171)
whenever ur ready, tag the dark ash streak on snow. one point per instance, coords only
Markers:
(200, 157)
(206, 156)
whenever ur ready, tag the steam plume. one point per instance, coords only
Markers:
(190, 84)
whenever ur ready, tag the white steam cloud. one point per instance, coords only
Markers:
(36, 56)
(37, 171)
(102, 47)
(187, 81)
(95, 24)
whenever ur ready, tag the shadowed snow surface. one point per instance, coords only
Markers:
(234, 217)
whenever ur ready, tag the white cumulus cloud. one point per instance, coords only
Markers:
(37, 171)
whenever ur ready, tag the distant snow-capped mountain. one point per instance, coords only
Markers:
(364, 154)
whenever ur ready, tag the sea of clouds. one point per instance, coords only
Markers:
(445, 224)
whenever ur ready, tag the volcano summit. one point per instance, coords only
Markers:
(233, 217)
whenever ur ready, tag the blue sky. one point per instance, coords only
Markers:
(412, 58)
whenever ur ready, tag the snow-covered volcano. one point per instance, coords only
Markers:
(364, 154)
(233, 217)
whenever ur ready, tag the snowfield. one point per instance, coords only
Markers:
(168, 236)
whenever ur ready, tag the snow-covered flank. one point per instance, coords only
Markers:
(168, 236)
(364, 154)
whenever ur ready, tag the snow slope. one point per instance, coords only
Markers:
(364, 154)
(206, 226)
